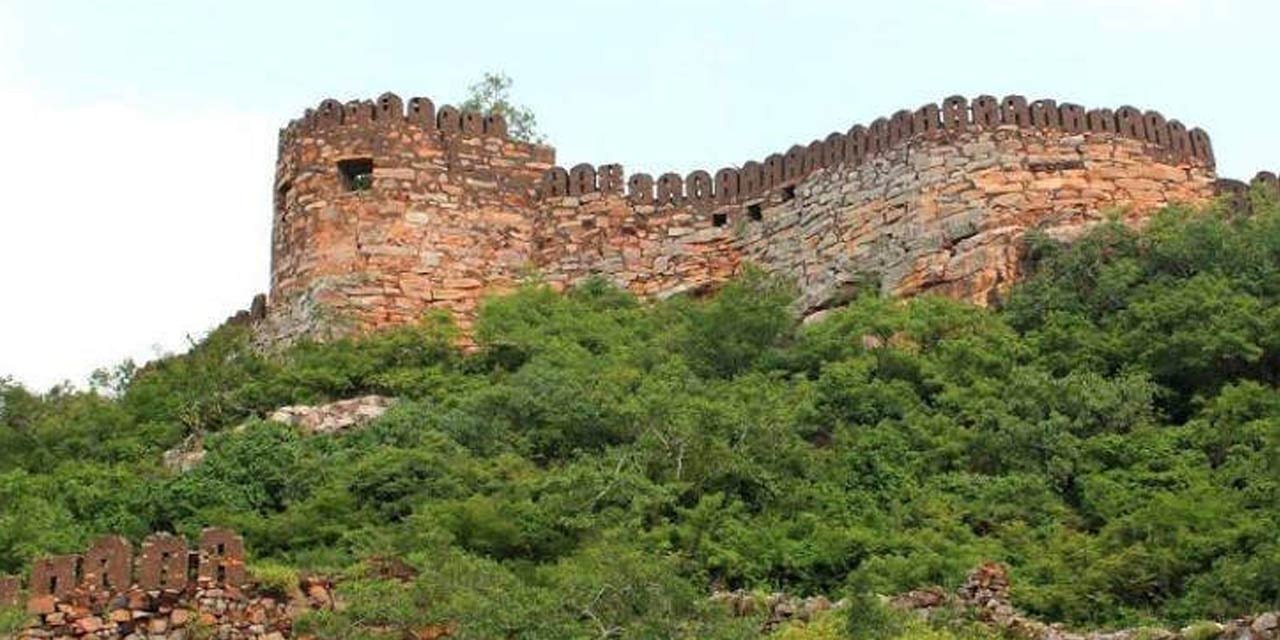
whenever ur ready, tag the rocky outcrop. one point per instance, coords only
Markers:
(778, 608)
(324, 419)
(334, 417)
(185, 456)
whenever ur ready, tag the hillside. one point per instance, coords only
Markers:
(600, 465)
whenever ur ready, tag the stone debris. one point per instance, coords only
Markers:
(206, 611)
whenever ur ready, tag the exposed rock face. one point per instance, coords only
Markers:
(932, 200)
(185, 456)
(334, 417)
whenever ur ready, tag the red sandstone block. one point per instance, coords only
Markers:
(91, 624)
(42, 605)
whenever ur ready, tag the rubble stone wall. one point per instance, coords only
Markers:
(935, 199)
(166, 590)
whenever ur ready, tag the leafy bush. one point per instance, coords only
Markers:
(274, 579)
(12, 620)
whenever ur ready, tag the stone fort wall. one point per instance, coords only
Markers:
(385, 210)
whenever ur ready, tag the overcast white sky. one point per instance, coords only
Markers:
(137, 139)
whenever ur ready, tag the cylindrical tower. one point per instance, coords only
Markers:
(383, 212)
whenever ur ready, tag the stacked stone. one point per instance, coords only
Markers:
(651, 251)
(207, 611)
(987, 588)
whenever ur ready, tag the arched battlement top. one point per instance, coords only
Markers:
(1170, 141)
(390, 110)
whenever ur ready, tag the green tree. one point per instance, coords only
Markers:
(492, 94)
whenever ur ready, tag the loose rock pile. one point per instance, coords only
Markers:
(206, 611)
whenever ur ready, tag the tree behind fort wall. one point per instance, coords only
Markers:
(492, 94)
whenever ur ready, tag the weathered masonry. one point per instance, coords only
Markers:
(385, 210)
(167, 590)
(109, 568)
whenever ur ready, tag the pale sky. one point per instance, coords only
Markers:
(137, 139)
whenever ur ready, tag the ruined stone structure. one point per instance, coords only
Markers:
(165, 591)
(385, 211)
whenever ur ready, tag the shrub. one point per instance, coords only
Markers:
(274, 579)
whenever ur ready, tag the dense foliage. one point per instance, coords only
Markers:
(598, 465)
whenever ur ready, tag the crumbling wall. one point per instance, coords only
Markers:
(166, 590)
(934, 199)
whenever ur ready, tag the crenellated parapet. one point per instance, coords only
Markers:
(389, 110)
(109, 568)
(1237, 191)
(1170, 140)
(163, 589)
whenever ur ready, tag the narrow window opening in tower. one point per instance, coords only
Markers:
(357, 173)
(719, 219)
(282, 197)
(754, 212)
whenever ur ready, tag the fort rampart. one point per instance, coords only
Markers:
(385, 209)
